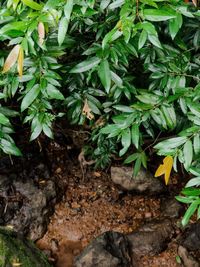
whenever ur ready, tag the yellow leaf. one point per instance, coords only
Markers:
(11, 59)
(41, 32)
(20, 61)
(165, 168)
(87, 111)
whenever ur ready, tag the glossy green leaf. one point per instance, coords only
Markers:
(154, 40)
(68, 9)
(125, 140)
(196, 144)
(54, 93)
(142, 39)
(188, 154)
(104, 4)
(104, 74)
(32, 4)
(171, 143)
(190, 211)
(4, 120)
(47, 130)
(159, 14)
(193, 182)
(175, 24)
(135, 134)
(62, 30)
(30, 97)
(137, 166)
(86, 65)
(131, 158)
(9, 148)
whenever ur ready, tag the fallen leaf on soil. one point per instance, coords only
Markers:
(165, 168)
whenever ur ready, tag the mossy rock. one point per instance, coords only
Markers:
(18, 251)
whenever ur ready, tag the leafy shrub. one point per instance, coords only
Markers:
(127, 68)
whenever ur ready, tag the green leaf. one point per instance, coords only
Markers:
(10, 148)
(86, 65)
(154, 40)
(175, 25)
(125, 140)
(131, 158)
(68, 9)
(50, 4)
(109, 128)
(196, 144)
(32, 4)
(116, 4)
(36, 132)
(111, 36)
(159, 14)
(4, 120)
(116, 79)
(135, 134)
(54, 93)
(104, 4)
(190, 191)
(47, 130)
(171, 143)
(137, 166)
(30, 97)
(193, 182)
(142, 39)
(62, 30)
(188, 154)
(190, 211)
(185, 200)
(104, 74)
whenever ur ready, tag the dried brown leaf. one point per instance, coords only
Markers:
(11, 59)
(41, 32)
(87, 111)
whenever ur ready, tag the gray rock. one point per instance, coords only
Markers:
(143, 183)
(171, 208)
(151, 238)
(110, 249)
(25, 206)
(191, 237)
(188, 260)
(33, 217)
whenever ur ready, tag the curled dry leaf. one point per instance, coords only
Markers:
(20, 61)
(87, 111)
(194, 2)
(11, 59)
(41, 32)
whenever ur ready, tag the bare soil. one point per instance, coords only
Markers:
(95, 205)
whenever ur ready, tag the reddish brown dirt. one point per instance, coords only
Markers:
(92, 207)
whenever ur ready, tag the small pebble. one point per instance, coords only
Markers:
(148, 215)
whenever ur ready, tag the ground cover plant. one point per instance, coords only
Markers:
(128, 69)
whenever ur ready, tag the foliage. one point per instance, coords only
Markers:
(129, 69)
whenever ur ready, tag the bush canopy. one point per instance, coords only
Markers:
(129, 69)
